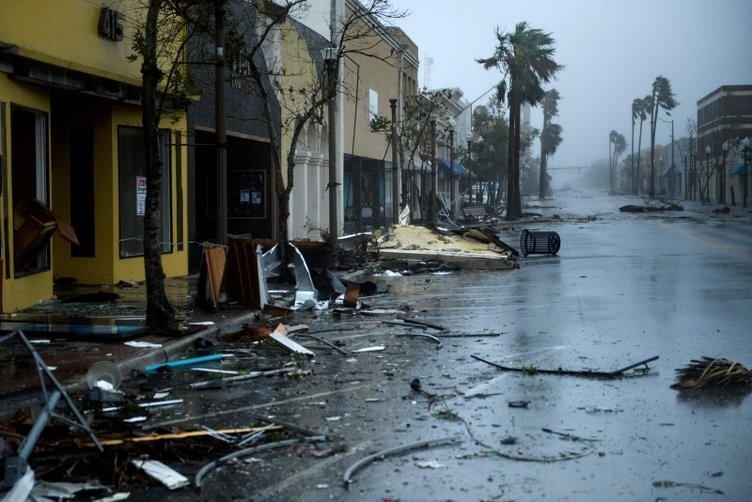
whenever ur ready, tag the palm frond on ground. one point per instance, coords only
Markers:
(711, 372)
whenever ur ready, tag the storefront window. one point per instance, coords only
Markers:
(132, 190)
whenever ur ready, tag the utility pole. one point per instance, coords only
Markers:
(451, 172)
(331, 88)
(220, 122)
(470, 171)
(395, 164)
(434, 175)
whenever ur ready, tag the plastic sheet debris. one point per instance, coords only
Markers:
(143, 345)
(162, 473)
(374, 348)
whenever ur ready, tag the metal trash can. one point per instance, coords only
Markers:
(539, 243)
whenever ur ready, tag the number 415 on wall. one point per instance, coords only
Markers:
(111, 24)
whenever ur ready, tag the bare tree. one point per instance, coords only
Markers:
(159, 43)
(304, 100)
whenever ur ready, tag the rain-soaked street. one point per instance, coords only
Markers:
(623, 288)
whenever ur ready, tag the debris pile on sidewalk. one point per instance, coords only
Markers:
(129, 444)
(467, 248)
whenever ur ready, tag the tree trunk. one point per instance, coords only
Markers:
(514, 205)
(542, 177)
(160, 314)
(653, 125)
(634, 179)
(638, 175)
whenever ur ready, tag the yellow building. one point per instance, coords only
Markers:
(71, 150)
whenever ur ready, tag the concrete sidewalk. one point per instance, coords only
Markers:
(72, 356)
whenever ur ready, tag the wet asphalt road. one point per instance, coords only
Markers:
(623, 288)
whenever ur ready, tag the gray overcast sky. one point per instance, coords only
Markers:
(612, 50)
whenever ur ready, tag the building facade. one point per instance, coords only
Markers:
(724, 120)
(71, 150)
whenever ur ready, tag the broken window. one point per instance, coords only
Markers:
(132, 190)
(31, 229)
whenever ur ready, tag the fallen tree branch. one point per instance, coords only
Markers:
(531, 370)
(422, 323)
(691, 486)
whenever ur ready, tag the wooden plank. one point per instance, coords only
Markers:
(279, 335)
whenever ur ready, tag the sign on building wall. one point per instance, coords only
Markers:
(140, 195)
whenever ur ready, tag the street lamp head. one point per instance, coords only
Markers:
(708, 150)
(329, 54)
(745, 141)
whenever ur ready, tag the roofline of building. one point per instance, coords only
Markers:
(383, 32)
(724, 90)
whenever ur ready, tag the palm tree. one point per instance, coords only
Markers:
(643, 109)
(526, 59)
(662, 97)
(638, 112)
(550, 138)
(619, 143)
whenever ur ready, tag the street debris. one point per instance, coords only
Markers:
(16, 467)
(430, 443)
(423, 335)
(162, 473)
(308, 450)
(48, 491)
(711, 372)
(691, 486)
(373, 348)
(429, 464)
(657, 204)
(479, 250)
(620, 373)
(143, 345)
(180, 363)
(547, 243)
(422, 323)
(218, 383)
(417, 386)
(198, 480)
(279, 335)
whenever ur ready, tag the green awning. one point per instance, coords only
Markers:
(739, 170)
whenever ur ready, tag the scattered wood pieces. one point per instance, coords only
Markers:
(279, 335)
(186, 435)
